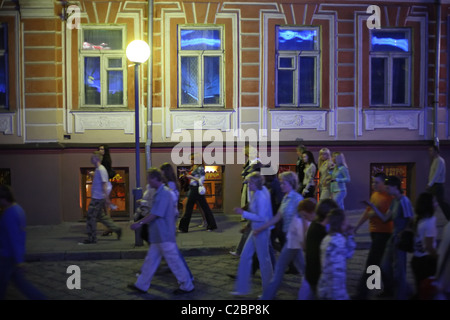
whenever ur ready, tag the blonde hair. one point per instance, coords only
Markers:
(322, 151)
(291, 178)
(257, 179)
(340, 159)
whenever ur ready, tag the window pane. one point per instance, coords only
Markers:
(389, 41)
(115, 88)
(297, 39)
(399, 81)
(307, 80)
(102, 39)
(285, 87)
(200, 39)
(3, 36)
(212, 80)
(189, 80)
(378, 81)
(3, 82)
(287, 63)
(92, 87)
(115, 63)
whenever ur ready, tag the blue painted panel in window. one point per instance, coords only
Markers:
(285, 92)
(189, 80)
(399, 81)
(115, 87)
(306, 81)
(389, 41)
(212, 80)
(193, 39)
(291, 39)
(92, 86)
(378, 80)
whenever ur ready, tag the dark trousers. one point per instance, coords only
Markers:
(437, 190)
(10, 272)
(193, 197)
(423, 268)
(374, 257)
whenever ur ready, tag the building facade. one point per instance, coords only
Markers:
(353, 76)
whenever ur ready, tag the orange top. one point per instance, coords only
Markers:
(381, 200)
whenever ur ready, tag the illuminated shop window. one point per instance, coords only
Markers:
(200, 67)
(390, 68)
(119, 194)
(5, 176)
(401, 170)
(297, 67)
(213, 184)
(103, 67)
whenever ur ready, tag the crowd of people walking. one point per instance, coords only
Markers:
(294, 222)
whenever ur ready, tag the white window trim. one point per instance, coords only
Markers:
(296, 55)
(389, 72)
(201, 54)
(104, 56)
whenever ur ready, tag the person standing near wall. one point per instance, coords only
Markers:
(339, 179)
(436, 179)
(325, 169)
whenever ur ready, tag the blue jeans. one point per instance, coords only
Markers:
(393, 270)
(339, 198)
(10, 272)
(260, 245)
(286, 257)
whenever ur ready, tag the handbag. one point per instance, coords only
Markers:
(201, 189)
(406, 240)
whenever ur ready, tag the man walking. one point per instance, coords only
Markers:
(99, 201)
(436, 179)
(161, 221)
(12, 246)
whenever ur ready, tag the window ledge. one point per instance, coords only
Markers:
(6, 122)
(104, 120)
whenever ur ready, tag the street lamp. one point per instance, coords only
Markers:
(137, 52)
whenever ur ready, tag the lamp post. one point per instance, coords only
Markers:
(137, 52)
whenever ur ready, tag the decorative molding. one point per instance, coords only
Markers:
(299, 119)
(388, 119)
(186, 120)
(104, 121)
(6, 123)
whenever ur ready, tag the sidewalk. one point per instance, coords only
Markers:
(61, 242)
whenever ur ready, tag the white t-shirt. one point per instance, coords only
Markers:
(296, 236)
(100, 177)
(425, 229)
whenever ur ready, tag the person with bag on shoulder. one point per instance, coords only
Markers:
(393, 264)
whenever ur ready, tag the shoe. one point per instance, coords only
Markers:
(107, 233)
(87, 241)
(234, 253)
(202, 225)
(181, 231)
(119, 233)
(181, 291)
(133, 287)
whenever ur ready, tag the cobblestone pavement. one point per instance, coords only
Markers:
(108, 279)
